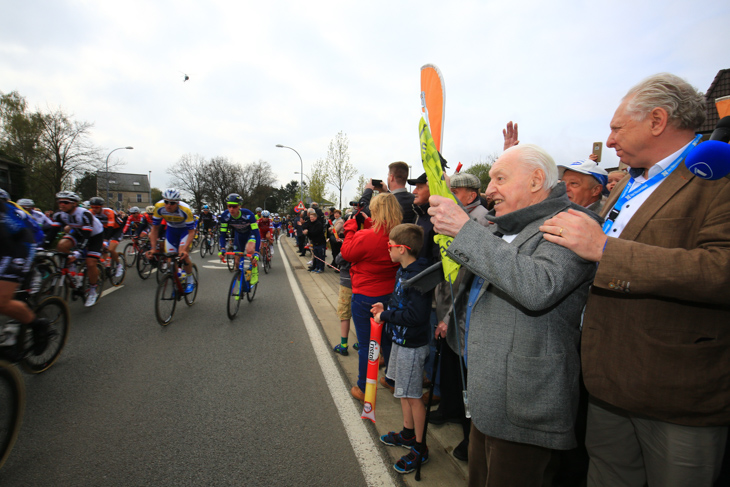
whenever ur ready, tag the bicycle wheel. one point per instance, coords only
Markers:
(113, 279)
(231, 262)
(12, 406)
(267, 260)
(165, 300)
(144, 267)
(190, 298)
(251, 291)
(55, 310)
(234, 295)
(203, 248)
(130, 254)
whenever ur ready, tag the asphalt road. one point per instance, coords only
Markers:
(203, 401)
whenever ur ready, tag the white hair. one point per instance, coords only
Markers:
(536, 157)
(684, 105)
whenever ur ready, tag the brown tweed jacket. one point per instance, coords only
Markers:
(656, 332)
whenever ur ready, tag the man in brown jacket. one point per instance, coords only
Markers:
(656, 332)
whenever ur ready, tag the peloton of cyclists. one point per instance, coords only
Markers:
(241, 224)
(180, 230)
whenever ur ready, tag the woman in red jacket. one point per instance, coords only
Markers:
(372, 271)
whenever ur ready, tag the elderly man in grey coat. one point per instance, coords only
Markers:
(523, 300)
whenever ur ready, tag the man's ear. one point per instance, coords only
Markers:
(596, 190)
(658, 119)
(537, 180)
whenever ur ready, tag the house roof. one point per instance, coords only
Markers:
(720, 87)
(120, 181)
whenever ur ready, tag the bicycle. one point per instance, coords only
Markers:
(110, 268)
(12, 407)
(71, 281)
(133, 249)
(171, 289)
(207, 245)
(230, 262)
(265, 256)
(36, 350)
(241, 282)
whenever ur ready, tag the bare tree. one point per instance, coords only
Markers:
(189, 175)
(339, 170)
(66, 152)
(258, 183)
(222, 177)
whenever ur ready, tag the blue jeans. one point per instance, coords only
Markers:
(319, 252)
(361, 305)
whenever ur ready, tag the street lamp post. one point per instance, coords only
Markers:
(301, 173)
(107, 170)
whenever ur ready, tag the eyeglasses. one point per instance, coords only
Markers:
(64, 202)
(168, 202)
(232, 206)
(395, 245)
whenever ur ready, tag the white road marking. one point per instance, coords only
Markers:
(366, 451)
(215, 267)
(111, 290)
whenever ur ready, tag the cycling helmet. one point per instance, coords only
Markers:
(234, 199)
(96, 201)
(4, 195)
(26, 203)
(68, 195)
(265, 213)
(205, 207)
(150, 209)
(134, 210)
(171, 194)
(258, 209)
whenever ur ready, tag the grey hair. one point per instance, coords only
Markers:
(536, 157)
(684, 104)
(311, 210)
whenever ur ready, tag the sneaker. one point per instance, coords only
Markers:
(119, 271)
(189, 287)
(356, 346)
(317, 271)
(341, 350)
(91, 298)
(407, 463)
(396, 439)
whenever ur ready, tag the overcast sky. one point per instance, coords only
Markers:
(296, 73)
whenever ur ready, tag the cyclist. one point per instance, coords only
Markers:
(265, 229)
(258, 213)
(180, 230)
(241, 223)
(277, 226)
(87, 233)
(112, 230)
(208, 220)
(133, 222)
(40, 218)
(17, 248)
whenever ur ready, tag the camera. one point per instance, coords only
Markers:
(378, 183)
(359, 204)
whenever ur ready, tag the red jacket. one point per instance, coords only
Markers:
(372, 271)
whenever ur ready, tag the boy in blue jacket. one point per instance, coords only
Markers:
(407, 321)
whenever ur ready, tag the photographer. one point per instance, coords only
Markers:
(396, 183)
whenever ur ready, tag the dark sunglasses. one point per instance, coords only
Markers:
(168, 202)
(64, 202)
(232, 206)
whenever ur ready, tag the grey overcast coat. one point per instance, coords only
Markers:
(524, 331)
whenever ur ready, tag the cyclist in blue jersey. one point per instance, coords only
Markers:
(241, 223)
(180, 230)
(17, 248)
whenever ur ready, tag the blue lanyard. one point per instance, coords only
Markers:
(630, 192)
